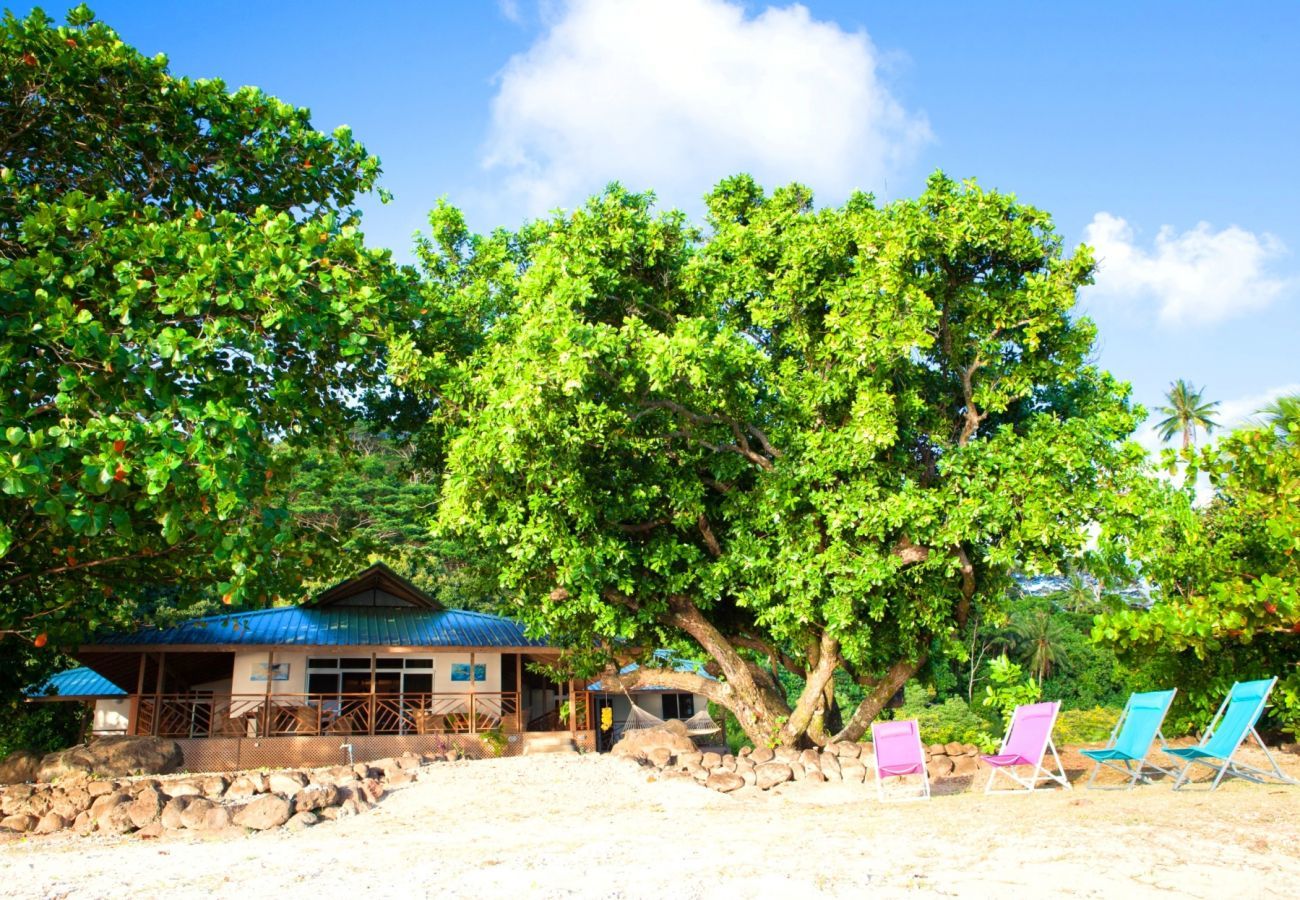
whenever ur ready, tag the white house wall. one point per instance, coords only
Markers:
(111, 717)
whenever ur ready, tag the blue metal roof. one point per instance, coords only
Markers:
(338, 626)
(76, 683)
(662, 658)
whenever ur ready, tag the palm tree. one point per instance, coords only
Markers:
(1039, 637)
(1282, 415)
(1186, 411)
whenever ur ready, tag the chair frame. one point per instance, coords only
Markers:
(1229, 766)
(924, 792)
(1029, 784)
(1134, 773)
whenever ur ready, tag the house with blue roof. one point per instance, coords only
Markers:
(368, 668)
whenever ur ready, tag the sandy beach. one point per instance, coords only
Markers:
(594, 826)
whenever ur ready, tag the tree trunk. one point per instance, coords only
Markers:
(875, 701)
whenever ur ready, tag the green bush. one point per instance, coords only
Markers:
(943, 723)
(1086, 726)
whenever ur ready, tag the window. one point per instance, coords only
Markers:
(679, 706)
(351, 675)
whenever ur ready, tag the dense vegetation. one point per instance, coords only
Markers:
(811, 446)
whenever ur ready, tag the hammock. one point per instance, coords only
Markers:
(702, 724)
(638, 719)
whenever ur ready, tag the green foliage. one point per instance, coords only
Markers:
(185, 304)
(1086, 726)
(1226, 575)
(494, 740)
(40, 727)
(835, 429)
(949, 720)
(1187, 411)
(1006, 690)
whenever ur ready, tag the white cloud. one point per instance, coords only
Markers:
(1197, 277)
(672, 95)
(509, 9)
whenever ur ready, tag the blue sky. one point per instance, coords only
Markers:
(1164, 133)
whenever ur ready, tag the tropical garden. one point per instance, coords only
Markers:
(844, 455)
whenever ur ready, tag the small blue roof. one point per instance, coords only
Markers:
(337, 626)
(76, 683)
(662, 657)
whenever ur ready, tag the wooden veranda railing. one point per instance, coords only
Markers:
(259, 715)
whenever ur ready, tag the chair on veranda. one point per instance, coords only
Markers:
(1227, 731)
(898, 754)
(1130, 743)
(1028, 738)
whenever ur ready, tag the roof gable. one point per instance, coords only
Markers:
(376, 587)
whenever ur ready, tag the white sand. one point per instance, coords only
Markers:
(570, 826)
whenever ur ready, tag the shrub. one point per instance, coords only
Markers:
(943, 723)
(1086, 726)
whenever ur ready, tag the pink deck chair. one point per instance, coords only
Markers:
(899, 754)
(1028, 738)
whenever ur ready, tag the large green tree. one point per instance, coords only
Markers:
(809, 439)
(186, 305)
(1225, 576)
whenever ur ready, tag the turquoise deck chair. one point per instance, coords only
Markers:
(1130, 742)
(1229, 728)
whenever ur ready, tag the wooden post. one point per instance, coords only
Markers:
(573, 708)
(266, 706)
(373, 658)
(133, 718)
(520, 724)
(158, 692)
(473, 713)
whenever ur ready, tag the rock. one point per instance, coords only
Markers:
(762, 755)
(372, 789)
(266, 811)
(725, 782)
(659, 756)
(217, 820)
(301, 821)
(729, 760)
(136, 787)
(786, 754)
(936, 749)
(115, 818)
(315, 797)
(402, 778)
(83, 824)
(749, 777)
(183, 789)
(830, 764)
(641, 741)
(214, 786)
(329, 813)
(711, 760)
(170, 817)
(50, 823)
(115, 756)
(852, 769)
(349, 807)
(152, 830)
(940, 766)
(699, 773)
(70, 802)
(100, 788)
(22, 822)
(796, 771)
(107, 801)
(847, 750)
(20, 766)
(953, 748)
(146, 806)
(966, 765)
(814, 775)
(770, 774)
(969, 750)
(247, 785)
(745, 751)
(687, 759)
(745, 764)
(193, 814)
(1293, 747)
(290, 783)
(810, 759)
(677, 727)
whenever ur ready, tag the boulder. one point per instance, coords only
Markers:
(290, 783)
(770, 774)
(847, 750)
(83, 824)
(107, 801)
(699, 773)
(19, 767)
(796, 771)
(247, 785)
(114, 756)
(966, 765)
(214, 786)
(762, 755)
(830, 764)
(115, 818)
(749, 777)
(745, 751)
(659, 756)
(153, 830)
(954, 748)
(853, 770)
(146, 806)
(729, 760)
(810, 759)
(814, 775)
(936, 749)
(725, 782)
(787, 754)
(70, 802)
(676, 727)
(171, 815)
(266, 811)
(314, 797)
(50, 823)
(940, 766)
(686, 759)
(372, 789)
(22, 823)
(183, 789)
(640, 742)
(300, 821)
(745, 764)
(100, 788)
(711, 760)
